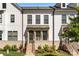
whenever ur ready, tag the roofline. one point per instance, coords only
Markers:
(41, 8)
(37, 8)
(17, 6)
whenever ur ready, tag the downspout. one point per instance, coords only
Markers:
(53, 26)
(22, 27)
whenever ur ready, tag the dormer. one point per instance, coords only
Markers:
(63, 5)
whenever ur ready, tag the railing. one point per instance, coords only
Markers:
(75, 46)
(71, 47)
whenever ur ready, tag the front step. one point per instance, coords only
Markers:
(29, 49)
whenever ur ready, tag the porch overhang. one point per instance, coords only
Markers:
(1, 11)
(36, 27)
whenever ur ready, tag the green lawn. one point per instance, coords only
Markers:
(12, 53)
(57, 53)
(62, 53)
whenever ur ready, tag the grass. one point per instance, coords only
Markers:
(57, 53)
(12, 53)
(62, 53)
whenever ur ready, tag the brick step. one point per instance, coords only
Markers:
(29, 47)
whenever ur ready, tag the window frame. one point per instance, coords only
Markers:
(1, 18)
(12, 18)
(45, 35)
(46, 21)
(64, 19)
(38, 19)
(11, 36)
(29, 20)
(1, 35)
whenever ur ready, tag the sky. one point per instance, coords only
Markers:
(35, 4)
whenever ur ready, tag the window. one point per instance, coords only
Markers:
(4, 5)
(37, 19)
(0, 18)
(38, 35)
(46, 17)
(45, 35)
(72, 15)
(12, 18)
(63, 18)
(12, 35)
(0, 35)
(29, 19)
(63, 4)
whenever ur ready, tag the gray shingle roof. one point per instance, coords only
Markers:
(36, 8)
(72, 4)
(69, 6)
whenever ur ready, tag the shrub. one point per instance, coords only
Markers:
(7, 47)
(39, 47)
(20, 47)
(45, 50)
(14, 48)
(1, 49)
(46, 47)
(10, 48)
(53, 47)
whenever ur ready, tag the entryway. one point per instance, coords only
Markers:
(37, 35)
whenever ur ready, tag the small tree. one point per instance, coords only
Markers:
(73, 30)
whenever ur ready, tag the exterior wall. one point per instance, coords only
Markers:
(4, 43)
(42, 43)
(6, 25)
(50, 33)
(58, 21)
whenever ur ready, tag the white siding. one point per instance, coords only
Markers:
(58, 21)
(7, 25)
(41, 23)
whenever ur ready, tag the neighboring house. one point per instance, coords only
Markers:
(33, 23)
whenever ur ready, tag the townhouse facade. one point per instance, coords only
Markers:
(40, 24)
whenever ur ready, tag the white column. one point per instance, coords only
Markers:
(41, 35)
(28, 37)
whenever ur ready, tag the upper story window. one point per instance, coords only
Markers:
(0, 18)
(4, 5)
(46, 19)
(29, 19)
(12, 18)
(64, 19)
(37, 19)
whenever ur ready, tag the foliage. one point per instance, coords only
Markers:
(45, 50)
(7, 47)
(49, 51)
(45, 47)
(14, 48)
(20, 47)
(10, 48)
(73, 30)
(12, 53)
